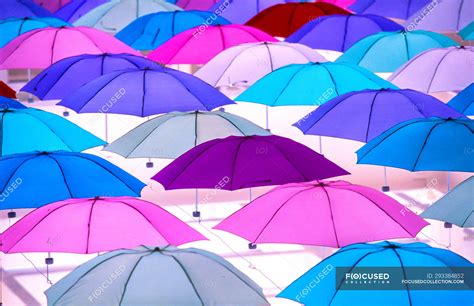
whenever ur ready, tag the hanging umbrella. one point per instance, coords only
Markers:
(282, 20)
(363, 115)
(157, 276)
(29, 129)
(244, 64)
(31, 180)
(95, 225)
(410, 261)
(463, 102)
(310, 84)
(67, 75)
(245, 162)
(75, 9)
(22, 8)
(203, 5)
(145, 92)
(52, 5)
(151, 31)
(467, 33)
(387, 51)
(13, 27)
(443, 69)
(432, 144)
(42, 47)
(6, 103)
(443, 16)
(114, 15)
(401, 9)
(7, 91)
(456, 207)
(173, 134)
(340, 32)
(332, 213)
(210, 41)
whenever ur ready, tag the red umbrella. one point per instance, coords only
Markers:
(283, 19)
(6, 91)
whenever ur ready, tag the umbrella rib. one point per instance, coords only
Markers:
(195, 128)
(345, 33)
(16, 170)
(424, 143)
(53, 45)
(89, 39)
(467, 218)
(331, 77)
(89, 225)
(130, 276)
(230, 64)
(436, 69)
(234, 162)
(62, 173)
(19, 44)
(458, 21)
(287, 83)
(404, 274)
(269, 56)
(51, 129)
(332, 216)
(370, 115)
(223, 117)
(1, 132)
(370, 47)
(144, 92)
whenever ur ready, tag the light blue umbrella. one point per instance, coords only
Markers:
(463, 102)
(387, 51)
(13, 27)
(467, 33)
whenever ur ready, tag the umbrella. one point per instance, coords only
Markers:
(244, 162)
(173, 134)
(463, 102)
(387, 51)
(31, 180)
(340, 32)
(332, 213)
(42, 47)
(114, 15)
(402, 9)
(295, 15)
(29, 129)
(145, 92)
(10, 103)
(152, 30)
(156, 276)
(52, 5)
(22, 8)
(6, 91)
(67, 75)
(95, 225)
(443, 69)
(456, 207)
(310, 84)
(209, 40)
(13, 27)
(410, 261)
(244, 64)
(75, 9)
(432, 144)
(363, 115)
(443, 16)
(467, 33)
(203, 5)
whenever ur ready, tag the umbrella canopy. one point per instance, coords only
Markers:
(292, 84)
(283, 19)
(332, 213)
(13, 27)
(443, 16)
(363, 115)
(52, 5)
(67, 75)
(463, 102)
(75, 9)
(29, 129)
(42, 47)
(340, 32)
(22, 8)
(387, 51)
(432, 144)
(443, 69)
(173, 134)
(115, 15)
(152, 30)
(245, 64)
(7, 91)
(151, 276)
(145, 92)
(10, 103)
(203, 5)
(95, 225)
(402, 9)
(238, 162)
(328, 287)
(467, 33)
(31, 180)
(210, 41)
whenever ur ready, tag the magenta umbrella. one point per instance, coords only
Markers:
(94, 225)
(42, 47)
(330, 213)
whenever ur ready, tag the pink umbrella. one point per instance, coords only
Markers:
(42, 47)
(95, 225)
(329, 213)
(200, 44)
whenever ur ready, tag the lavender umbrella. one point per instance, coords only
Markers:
(401, 9)
(77, 8)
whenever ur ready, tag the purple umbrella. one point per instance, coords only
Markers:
(340, 32)
(77, 8)
(67, 75)
(21, 9)
(238, 162)
(145, 92)
(402, 9)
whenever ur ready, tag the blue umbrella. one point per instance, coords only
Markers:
(151, 31)
(321, 286)
(22, 8)
(75, 9)
(463, 102)
(31, 180)
(10, 103)
(432, 144)
(402, 9)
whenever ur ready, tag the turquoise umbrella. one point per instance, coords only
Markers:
(387, 51)
(13, 27)
(463, 102)
(467, 33)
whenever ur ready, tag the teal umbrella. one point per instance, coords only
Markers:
(463, 102)
(467, 33)
(13, 27)
(387, 51)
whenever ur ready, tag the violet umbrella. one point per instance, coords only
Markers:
(209, 40)
(201, 5)
(75, 9)
(323, 213)
(401, 9)
(52, 5)
(21, 9)
(42, 47)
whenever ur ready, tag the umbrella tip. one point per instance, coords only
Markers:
(391, 246)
